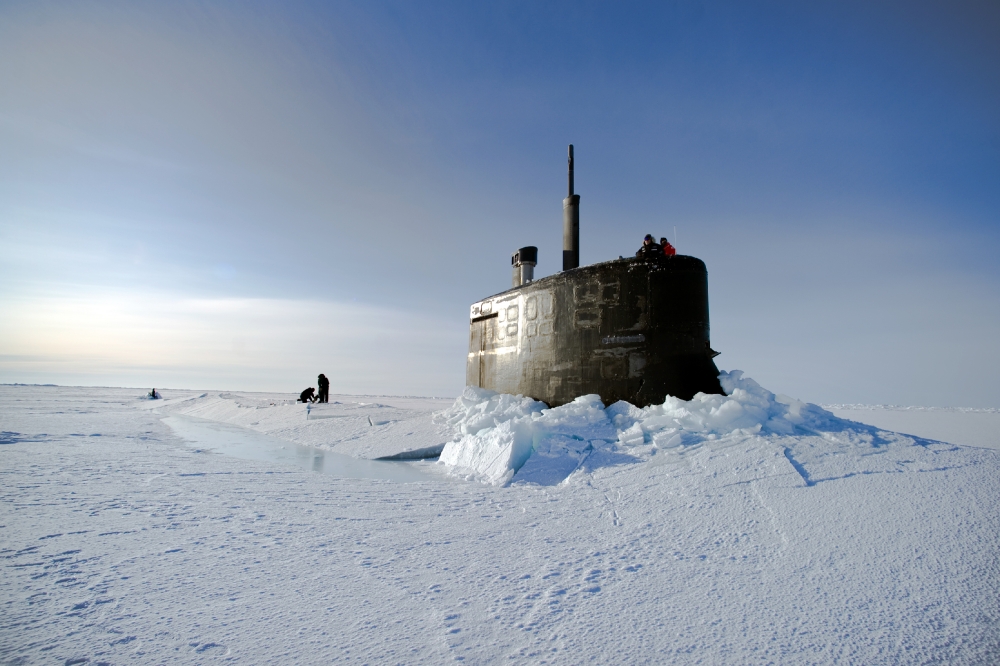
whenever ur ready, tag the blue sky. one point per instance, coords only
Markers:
(242, 195)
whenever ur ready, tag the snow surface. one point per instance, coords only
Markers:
(969, 427)
(739, 529)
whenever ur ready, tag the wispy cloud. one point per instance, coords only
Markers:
(251, 343)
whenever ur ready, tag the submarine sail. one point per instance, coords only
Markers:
(627, 329)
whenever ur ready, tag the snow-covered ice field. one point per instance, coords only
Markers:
(212, 527)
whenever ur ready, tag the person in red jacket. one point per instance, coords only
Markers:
(668, 249)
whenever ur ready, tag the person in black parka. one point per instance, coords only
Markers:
(308, 395)
(324, 388)
(650, 250)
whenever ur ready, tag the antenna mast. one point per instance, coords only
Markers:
(571, 223)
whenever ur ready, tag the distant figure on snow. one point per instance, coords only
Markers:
(324, 388)
(153, 395)
(649, 251)
(668, 249)
(308, 395)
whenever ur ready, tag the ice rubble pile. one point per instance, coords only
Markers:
(502, 438)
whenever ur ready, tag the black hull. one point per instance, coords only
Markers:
(625, 330)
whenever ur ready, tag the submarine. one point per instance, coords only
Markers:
(628, 329)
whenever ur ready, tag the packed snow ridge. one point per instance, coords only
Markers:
(503, 439)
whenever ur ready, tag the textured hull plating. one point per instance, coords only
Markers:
(625, 329)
